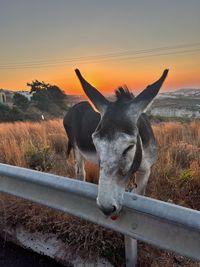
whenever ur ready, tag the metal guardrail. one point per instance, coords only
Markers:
(164, 225)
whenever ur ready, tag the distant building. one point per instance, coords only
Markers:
(2, 97)
(6, 97)
(27, 94)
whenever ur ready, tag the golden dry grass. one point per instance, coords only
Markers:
(174, 177)
(176, 174)
(16, 137)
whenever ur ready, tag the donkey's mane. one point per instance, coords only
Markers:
(123, 94)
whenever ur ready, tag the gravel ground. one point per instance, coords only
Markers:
(15, 256)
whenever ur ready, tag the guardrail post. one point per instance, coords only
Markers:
(130, 251)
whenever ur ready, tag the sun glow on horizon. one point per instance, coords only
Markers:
(106, 77)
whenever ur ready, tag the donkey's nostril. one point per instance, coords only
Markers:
(108, 210)
(114, 209)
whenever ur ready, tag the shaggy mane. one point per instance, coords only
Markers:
(123, 94)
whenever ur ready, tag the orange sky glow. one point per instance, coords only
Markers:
(184, 73)
(46, 40)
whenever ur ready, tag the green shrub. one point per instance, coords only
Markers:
(10, 114)
(186, 175)
(39, 158)
(20, 101)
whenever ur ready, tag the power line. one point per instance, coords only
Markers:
(155, 55)
(125, 58)
(111, 54)
(125, 55)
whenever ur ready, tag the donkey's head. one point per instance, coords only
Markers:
(116, 139)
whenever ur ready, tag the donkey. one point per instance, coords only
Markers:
(117, 136)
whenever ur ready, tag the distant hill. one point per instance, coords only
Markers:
(181, 92)
(188, 92)
(183, 103)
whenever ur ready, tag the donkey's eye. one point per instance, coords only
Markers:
(127, 150)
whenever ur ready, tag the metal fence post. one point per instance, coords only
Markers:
(130, 251)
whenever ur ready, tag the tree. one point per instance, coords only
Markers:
(37, 86)
(56, 94)
(10, 114)
(21, 101)
(16, 114)
(41, 100)
(4, 111)
(46, 95)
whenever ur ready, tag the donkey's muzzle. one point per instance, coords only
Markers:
(107, 210)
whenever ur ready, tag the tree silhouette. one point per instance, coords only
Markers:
(21, 101)
(46, 95)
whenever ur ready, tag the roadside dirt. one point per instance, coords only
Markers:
(14, 256)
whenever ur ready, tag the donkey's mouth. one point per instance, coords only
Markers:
(114, 217)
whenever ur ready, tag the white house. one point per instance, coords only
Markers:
(2, 97)
(27, 94)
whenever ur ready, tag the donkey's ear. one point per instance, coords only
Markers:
(145, 98)
(97, 99)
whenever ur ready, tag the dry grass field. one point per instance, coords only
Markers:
(42, 146)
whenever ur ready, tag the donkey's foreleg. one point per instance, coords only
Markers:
(79, 165)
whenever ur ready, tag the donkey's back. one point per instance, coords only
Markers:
(79, 123)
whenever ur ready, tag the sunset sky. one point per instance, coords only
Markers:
(112, 42)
